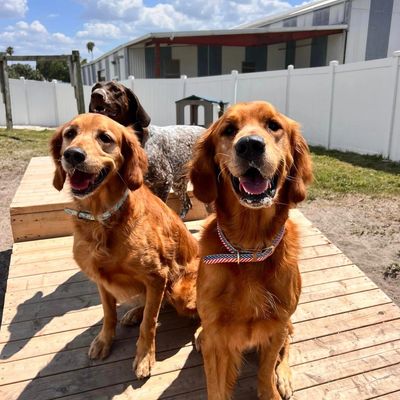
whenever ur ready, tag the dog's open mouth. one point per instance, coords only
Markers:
(102, 109)
(83, 183)
(253, 189)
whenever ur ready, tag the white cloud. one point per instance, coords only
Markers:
(99, 30)
(112, 22)
(13, 8)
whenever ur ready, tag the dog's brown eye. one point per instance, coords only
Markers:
(273, 126)
(230, 130)
(70, 134)
(105, 138)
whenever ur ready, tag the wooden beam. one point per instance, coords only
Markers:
(38, 58)
(5, 89)
(247, 39)
(77, 79)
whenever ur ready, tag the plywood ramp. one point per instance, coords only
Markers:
(346, 343)
(37, 209)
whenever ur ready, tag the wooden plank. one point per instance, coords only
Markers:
(356, 362)
(342, 304)
(323, 262)
(361, 386)
(335, 289)
(331, 275)
(346, 321)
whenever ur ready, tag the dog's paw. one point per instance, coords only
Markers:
(99, 348)
(198, 338)
(142, 365)
(284, 381)
(132, 317)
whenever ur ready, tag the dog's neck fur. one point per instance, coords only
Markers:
(245, 227)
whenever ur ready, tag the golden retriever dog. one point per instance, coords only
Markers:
(254, 165)
(125, 238)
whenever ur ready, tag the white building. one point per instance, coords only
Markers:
(307, 36)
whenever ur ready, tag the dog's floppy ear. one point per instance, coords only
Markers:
(300, 175)
(55, 151)
(141, 118)
(135, 160)
(203, 170)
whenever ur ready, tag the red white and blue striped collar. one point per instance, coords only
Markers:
(242, 256)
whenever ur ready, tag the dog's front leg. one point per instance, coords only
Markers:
(269, 353)
(221, 365)
(101, 345)
(145, 346)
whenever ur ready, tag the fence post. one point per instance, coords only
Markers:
(184, 80)
(290, 69)
(28, 114)
(78, 83)
(131, 79)
(395, 74)
(5, 89)
(235, 75)
(56, 112)
(333, 64)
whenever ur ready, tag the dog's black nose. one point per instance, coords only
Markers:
(74, 155)
(250, 147)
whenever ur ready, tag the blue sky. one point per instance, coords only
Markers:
(59, 26)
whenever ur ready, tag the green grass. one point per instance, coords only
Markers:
(339, 173)
(20, 145)
(336, 172)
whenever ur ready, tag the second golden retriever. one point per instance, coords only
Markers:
(254, 164)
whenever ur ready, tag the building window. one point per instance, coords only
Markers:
(290, 53)
(319, 47)
(209, 60)
(321, 17)
(101, 75)
(172, 68)
(290, 22)
(380, 18)
(248, 66)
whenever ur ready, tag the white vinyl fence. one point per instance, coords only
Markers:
(354, 107)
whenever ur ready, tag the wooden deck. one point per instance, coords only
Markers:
(346, 343)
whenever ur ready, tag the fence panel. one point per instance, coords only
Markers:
(268, 86)
(309, 103)
(362, 107)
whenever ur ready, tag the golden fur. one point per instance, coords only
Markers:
(142, 250)
(244, 306)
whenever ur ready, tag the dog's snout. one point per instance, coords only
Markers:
(74, 155)
(250, 147)
(100, 93)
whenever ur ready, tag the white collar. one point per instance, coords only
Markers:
(102, 217)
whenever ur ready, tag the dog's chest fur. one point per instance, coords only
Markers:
(111, 260)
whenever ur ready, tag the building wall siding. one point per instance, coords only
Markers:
(137, 62)
(187, 55)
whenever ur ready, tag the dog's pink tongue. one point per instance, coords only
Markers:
(80, 180)
(254, 185)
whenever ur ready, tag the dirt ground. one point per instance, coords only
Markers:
(367, 230)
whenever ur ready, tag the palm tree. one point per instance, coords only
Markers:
(10, 50)
(90, 47)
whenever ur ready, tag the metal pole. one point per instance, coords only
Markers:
(5, 89)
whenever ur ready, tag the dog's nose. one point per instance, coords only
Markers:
(250, 147)
(74, 156)
(100, 93)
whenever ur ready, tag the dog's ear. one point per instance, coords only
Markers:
(98, 85)
(140, 117)
(55, 151)
(203, 170)
(135, 160)
(300, 174)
